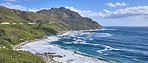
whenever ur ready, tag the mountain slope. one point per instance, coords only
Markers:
(15, 25)
(72, 18)
(33, 17)
(18, 26)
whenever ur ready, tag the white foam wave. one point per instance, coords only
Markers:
(104, 35)
(101, 51)
(90, 39)
(52, 38)
(83, 34)
(72, 33)
(78, 40)
(108, 29)
(91, 34)
(107, 48)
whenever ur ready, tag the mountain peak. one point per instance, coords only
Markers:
(70, 17)
(62, 8)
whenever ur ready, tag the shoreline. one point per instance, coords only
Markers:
(18, 46)
(47, 59)
(53, 57)
(27, 41)
(56, 54)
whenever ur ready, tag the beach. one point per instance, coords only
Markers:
(40, 47)
(25, 42)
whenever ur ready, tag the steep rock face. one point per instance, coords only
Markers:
(72, 18)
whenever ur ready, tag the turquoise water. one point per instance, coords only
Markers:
(119, 44)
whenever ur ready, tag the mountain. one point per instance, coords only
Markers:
(18, 26)
(72, 18)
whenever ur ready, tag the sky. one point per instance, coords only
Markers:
(105, 12)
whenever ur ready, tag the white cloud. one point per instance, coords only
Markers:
(18, 7)
(33, 9)
(84, 13)
(131, 12)
(12, 0)
(116, 4)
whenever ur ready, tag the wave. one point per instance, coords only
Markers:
(52, 38)
(136, 51)
(103, 35)
(108, 29)
(86, 34)
(80, 37)
(72, 33)
(84, 54)
(107, 48)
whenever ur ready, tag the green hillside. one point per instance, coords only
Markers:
(17, 26)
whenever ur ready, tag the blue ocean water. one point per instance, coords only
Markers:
(119, 44)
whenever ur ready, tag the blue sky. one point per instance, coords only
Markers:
(106, 12)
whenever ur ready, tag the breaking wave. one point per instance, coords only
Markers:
(85, 34)
(107, 48)
(108, 29)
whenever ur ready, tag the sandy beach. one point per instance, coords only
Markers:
(28, 41)
(67, 56)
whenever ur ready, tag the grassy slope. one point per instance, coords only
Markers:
(11, 56)
(12, 34)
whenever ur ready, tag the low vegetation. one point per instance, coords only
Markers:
(14, 28)
(12, 56)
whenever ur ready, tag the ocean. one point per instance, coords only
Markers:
(118, 44)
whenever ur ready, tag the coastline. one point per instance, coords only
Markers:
(28, 41)
(47, 59)
(53, 57)
(25, 42)
(18, 46)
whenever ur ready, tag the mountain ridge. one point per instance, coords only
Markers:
(68, 16)
(18, 26)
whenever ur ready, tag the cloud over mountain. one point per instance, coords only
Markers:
(120, 13)
(18, 7)
(33, 9)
